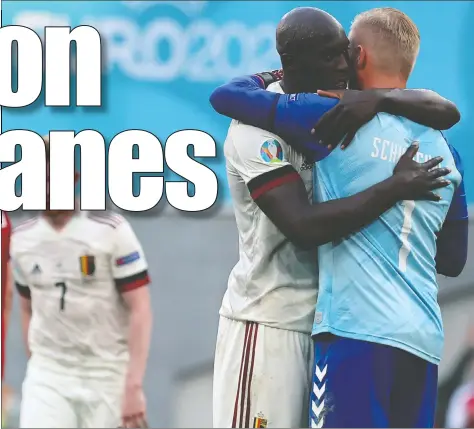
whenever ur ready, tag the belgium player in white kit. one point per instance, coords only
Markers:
(264, 346)
(83, 279)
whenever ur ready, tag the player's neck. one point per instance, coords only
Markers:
(60, 220)
(380, 81)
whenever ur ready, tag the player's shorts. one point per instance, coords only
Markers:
(361, 384)
(56, 399)
(262, 376)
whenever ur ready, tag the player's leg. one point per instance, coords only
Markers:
(279, 385)
(101, 404)
(44, 402)
(261, 376)
(414, 392)
(230, 353)
(351, 383)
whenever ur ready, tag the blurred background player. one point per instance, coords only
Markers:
(455, 407)
(263, 352)
(456, 377)
(461, 407)
(6, 294)
(85, 305)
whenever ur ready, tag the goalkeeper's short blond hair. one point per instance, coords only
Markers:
(391, 36)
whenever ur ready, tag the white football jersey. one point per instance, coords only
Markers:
(274, 283)
(74, 278)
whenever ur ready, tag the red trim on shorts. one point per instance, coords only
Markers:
(245, 377)
(252, 361)
(274, 184)
(242, 359)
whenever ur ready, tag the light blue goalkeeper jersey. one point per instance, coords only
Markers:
(379, 284)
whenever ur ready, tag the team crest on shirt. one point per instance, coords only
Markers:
(87, 265)
(260, 421)
(271, 151)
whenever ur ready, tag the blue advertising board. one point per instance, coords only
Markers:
(163, 59)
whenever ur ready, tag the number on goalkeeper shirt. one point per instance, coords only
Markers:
(408, 208)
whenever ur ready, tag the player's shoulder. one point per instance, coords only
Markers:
(243, 136)
(387, 120)
(456, 156)
(27, 227)
(243, 132)
(245, 140)
(435, 142)
(247, 144)
(275, 87)
(388, 124)
(26, 233)
(105, 219)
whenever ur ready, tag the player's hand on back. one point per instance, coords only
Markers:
(341, 123)
(415, 181)
(134, 408)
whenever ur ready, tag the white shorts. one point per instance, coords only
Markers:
(55, 399)
(262, 376)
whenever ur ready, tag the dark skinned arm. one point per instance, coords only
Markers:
(293, 117)
(308, 226)
(422, 106)
(452, 381)
(356, 108)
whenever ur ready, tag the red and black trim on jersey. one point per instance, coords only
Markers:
(106, 218)
(272, 179)
(23, 290)
(133, 282)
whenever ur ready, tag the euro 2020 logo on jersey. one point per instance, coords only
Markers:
(271, 151)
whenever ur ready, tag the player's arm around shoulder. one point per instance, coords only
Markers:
(130, 271)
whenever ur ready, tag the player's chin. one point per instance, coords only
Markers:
(340, 84)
